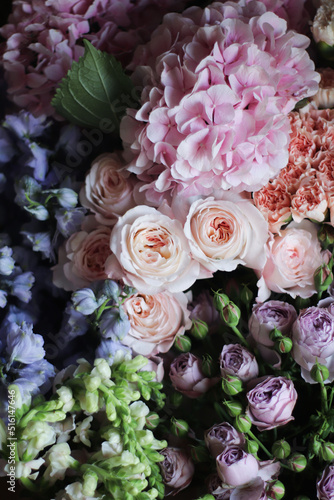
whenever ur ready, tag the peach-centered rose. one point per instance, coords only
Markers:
(309, 201)
(273, 201)
(223, 234)
(151, 252)
(292, 259)
(107, 191)
(155, 321)
(82, 259)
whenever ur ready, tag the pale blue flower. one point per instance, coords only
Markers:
(23, 345)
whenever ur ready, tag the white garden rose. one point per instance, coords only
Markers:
(107, 191)
(224, 233)
(151, 252)
(155, 321)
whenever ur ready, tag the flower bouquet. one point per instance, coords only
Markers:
(166, 250)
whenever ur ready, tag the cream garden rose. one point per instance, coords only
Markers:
(107, 191)
(151, 252)
(224, 233)
(155, 321)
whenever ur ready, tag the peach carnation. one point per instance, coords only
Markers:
(273, 201)
(310, 200)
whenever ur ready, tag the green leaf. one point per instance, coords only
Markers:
(96, 92)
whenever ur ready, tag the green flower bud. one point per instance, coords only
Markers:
(199, 329)
(208, 367)
(297, 462)
(144, 437)
(92, 383)
(276, 490)
(275, 334)
(319, 372)
(220, 300)
(102, 369)
(301, 497)
(135, 364)
(284, 345)
(200, 454)
(182, 343)
(246, 295)
(176, 399)
(179, 427)
(90, 481)
(323, 277)
(231, 314)
(326, 236)
(234, 408)
(54, 404)
(242, 423)
(50, 416)
(326, 51)
(231, 385)
(252, 446)
(89, 401)
(152, 420)
(316, 445)
(66, 397)
(327, 451)
(110, 410)
(281, 449)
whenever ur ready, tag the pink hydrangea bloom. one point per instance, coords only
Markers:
(43, 38)
(218, 85)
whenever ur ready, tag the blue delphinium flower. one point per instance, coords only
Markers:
(23, 345)
(112, 351)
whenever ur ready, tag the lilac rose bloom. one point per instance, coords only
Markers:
(265, 317)
(238, 361)
(187, 377)
(236, 467)
(219, 436)
(271, 402)
(325, 486)
(313, 340)
(177, 469)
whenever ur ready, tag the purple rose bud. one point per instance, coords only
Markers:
(177, 469)
(234, 408)
(220, 436)
(231, 385)
(313, 341)
(276, 490)
(242, 423)
(182, 343)
(236, 467)
(271, 402)
(187, 377)
(236, 360)
(179, 427)
(265, 317)
(325, 486)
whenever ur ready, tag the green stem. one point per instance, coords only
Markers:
(324, 402)
(240, 336)
(250, 433)
(29, 485)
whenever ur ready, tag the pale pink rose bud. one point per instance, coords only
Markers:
(236, 467)
(107, 191)
(236, 360)
(271, 403)
(220, 436)
(155, 321)
(177, 469)
(187, 377)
